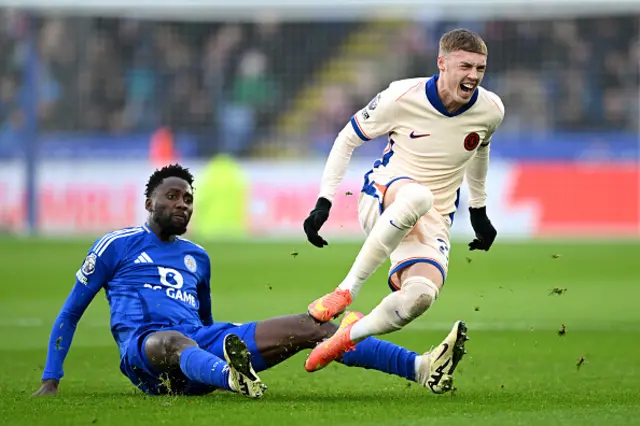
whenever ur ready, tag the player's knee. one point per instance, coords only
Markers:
(309, 332)
(418, 199)
(164, 348)
(418, 294)
(175, 342)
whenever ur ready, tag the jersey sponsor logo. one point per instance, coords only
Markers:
(190, 263)
(472, 141)
(365, 115)
(170, 277)
(414, 135)
(172, 282)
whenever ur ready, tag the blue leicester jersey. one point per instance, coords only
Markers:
(148, 283)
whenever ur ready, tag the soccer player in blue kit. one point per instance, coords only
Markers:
(158, 288)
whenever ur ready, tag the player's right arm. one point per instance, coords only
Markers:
(96, 270)
(373, 120)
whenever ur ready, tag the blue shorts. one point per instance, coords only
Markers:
(137, 367)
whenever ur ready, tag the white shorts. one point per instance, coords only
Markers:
(429, 245)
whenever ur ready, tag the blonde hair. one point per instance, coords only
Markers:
(461, 39)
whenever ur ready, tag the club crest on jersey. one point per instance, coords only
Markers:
(472, 141)
(89, 265)
(190, 263)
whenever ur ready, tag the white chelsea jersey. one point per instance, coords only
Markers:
(425, 142)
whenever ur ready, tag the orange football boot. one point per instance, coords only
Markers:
(330, 306)
(350, 318)
(335, 346)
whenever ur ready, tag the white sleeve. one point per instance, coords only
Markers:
(370, 122)
(477, 170)
(338, 162)
(477, 177)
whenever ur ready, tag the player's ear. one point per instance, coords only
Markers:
(148, 205)
(441, 60)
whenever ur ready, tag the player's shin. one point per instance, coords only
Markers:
(382, 356)
(397, 309)
(412, 201)
(204, 367)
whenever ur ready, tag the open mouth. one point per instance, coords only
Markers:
(467, 88)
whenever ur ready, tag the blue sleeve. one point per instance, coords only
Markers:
(204, 297)
(95, 272)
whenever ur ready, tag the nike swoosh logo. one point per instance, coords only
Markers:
(444, 351)
(394, 225)
(413, 135)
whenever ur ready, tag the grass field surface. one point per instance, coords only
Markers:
(520, 369)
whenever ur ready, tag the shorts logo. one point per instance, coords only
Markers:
(190, 263)
(444, 248)
(89, 265)
(472, 141)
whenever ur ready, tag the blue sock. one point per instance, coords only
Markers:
(201, 366)
(383, 356)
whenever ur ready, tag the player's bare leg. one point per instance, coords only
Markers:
(405, 202)
(172, 352)
(282, 337)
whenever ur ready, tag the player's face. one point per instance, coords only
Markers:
(463, 72)
(172, 205)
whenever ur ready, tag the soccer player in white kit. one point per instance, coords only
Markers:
(439, 131)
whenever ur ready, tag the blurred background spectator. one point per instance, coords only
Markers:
(229, 87)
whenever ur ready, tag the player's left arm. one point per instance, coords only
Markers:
(476, 176)
(204, 296)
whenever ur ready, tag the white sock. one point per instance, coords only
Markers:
(397, 309)
(417, 366)
(412, 202)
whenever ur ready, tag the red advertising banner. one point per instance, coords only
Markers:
(580, 199)
(524, 200)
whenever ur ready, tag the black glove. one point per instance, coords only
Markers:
(314, 222)
(485, 232)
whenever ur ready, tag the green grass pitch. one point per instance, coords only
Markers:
(519, 369)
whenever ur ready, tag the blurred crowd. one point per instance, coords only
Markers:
(228, 83)
(569, 76)
(222, 82)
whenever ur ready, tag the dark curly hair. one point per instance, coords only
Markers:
(172, 170)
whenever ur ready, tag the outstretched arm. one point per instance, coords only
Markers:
(338, 161)
(94, 273)
(370, 122)
(62, 335)
(476, 180)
